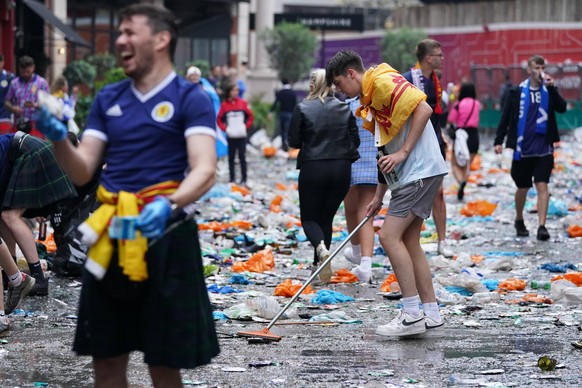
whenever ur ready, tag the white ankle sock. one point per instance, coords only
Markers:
(366, 263)
(431, 310)
(16, 279)
(411, 305)
(357, 250)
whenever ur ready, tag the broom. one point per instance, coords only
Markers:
(266, 333)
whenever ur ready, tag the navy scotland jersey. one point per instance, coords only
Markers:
(146, 133)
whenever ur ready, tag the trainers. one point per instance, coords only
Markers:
(444, 249)
(543, 233)
(323, 254)
(351, 257)
(16, 294)
(403, 325)
(4, 323)
(461, 192)
(520, 228)
(363, 275)
(324, 277)
(40, 286)
(434, 329)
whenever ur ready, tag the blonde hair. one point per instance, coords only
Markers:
(58, 85)
(318, 86)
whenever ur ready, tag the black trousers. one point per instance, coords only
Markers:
(237, 146)
(323, 184)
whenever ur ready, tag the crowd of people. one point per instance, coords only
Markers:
(389, 135)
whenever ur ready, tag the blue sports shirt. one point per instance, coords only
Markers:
(146, 133)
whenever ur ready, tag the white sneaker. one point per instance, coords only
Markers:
(4, 323)
(323, 254)
(351, 257)
(403, 325)
(434, 329)
(363, 275)
(444, 249)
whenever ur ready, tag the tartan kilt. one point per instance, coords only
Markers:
(37, 180)
(168, 317)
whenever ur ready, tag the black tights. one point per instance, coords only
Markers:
(323, 184)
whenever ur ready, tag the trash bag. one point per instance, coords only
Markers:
(574, 231)
(263, 306)
(344, 276)
(566, 292)
(512, 284)
(460, 148)
(289, 288)
(71, 253)
(388, 282)
(573, 277)
(259, 262)
(478, 208)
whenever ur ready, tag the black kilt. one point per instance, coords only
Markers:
(36, 180)
(168, 317)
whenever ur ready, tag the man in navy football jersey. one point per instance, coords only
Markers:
(156, 133)
(424, 76)
(529, 121)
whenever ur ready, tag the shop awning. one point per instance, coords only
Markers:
(49, 17)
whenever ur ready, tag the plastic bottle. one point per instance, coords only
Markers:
(391, 177)
(541, 284)
(42, 231)
(484, 297)
(302, 261)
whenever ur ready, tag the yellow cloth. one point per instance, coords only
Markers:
(131, 252)
(387, 101)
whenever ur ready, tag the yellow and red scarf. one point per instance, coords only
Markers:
(96, 234)
(387, 101)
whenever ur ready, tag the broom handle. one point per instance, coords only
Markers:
(317, 271)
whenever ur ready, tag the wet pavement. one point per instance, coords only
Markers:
(493, 339)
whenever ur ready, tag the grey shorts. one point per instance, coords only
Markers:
(415, 197)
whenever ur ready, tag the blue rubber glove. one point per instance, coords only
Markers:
(50, 126)
(154, 217)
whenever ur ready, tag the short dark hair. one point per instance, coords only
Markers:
(467, 90)
(285, 81)
(159, 19)
(25, 61)
(1, 57)
(425, 48)
(537, 59)
(341, 62)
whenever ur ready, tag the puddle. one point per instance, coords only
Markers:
(490, 346)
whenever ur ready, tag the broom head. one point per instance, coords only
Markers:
(264, 334)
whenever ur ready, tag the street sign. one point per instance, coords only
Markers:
(328, 22)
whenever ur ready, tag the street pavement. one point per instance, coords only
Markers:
(493, 339)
